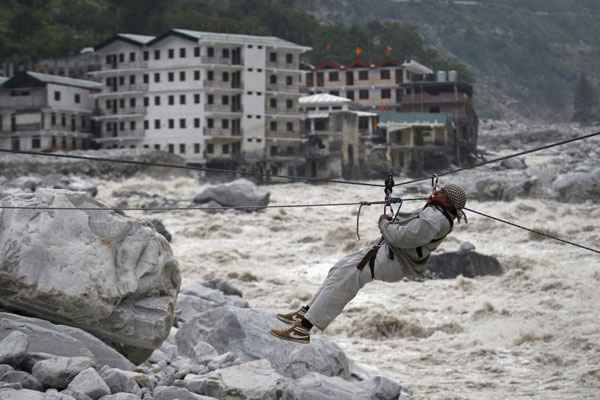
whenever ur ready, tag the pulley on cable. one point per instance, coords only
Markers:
(387, 203)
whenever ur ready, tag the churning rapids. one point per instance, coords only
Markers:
(533, 332)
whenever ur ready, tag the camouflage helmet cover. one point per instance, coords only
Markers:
(456, 195)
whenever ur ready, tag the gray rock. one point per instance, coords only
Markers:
(469, 264)
(501, 188)
(6, 385)
(166, 352)
(245, 333)
(160, 228)
(318, 387)
(21, 394)
(197, 298)
(58, 372)
(120, 381)
(238, 193)
(4, 368)
(577, 186)
(99, 271)
(253, 380)
(514, 163)
(176, 393)
(90, 383)
(204, 353)
(53, 394)
(23, 378)
(225, 287)
(33, 358)
(13, 348)
(121, 396)
(465, 247)
(76, 395)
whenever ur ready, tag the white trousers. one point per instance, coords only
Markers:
(344, 280)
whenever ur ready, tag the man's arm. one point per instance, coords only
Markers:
(418, 232)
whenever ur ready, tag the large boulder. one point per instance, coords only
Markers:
(577, 186)
(238, 193)
(501, 187)
(246, 334)
(466, 263)
(96, 270)
(198, 297)
(59, 340)
(13, 348)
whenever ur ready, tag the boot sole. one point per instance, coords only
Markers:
(287, 320)
(290, 339)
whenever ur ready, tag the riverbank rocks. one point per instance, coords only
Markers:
(100, 271)
(238, 193)
(577, 186)
(465, 262)
(32, 183)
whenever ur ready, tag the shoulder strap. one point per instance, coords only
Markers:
(450, 221)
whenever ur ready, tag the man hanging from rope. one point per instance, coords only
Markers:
(403, 252)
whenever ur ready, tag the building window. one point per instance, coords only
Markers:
(171, 148)
(146, 101)
(196, 122)
(289, 80)
(290, 126)
(157, 54)
(36, 142)
(334, 76)
(210, 148)
(225, 124)
(77, 98)
(273, 57)
(53, 119)
(289, 104)
(146, 125)
(171, 53)
(182, 99)
(273, 126)
(363, 123)
(132, 79)
(225, 100)
(196, 51)
(146, 55)
(63, 120)
(225, 53)
(196, 75)
(386, 93)
(273, 103)
(225, 76)
(132, 125)
(132, 102)
(121, 126)
(363, 94)
(171, 123)
(57, 96)
(146, 78)
(171, 76)
(363, 75)
(196, 148)
(182, 123)
(210, 99)
(132, 56)
(171, 100)
(334, 92)
(182, 76)
(157, 124)
(121, 57)
(350, 94)
(157, 77)
(121, 80)
(182, 148)
(182, 53)
(210, 75)
(289, 58)
(196, 99)
(385, 74)
(210, 123)
(121, 103)
(157, 100)
(210, 51)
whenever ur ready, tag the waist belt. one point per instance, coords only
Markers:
(370, 259)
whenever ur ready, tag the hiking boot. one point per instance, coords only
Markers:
(293, 317)
(295, 333)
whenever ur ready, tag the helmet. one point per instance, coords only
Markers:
(456, 196)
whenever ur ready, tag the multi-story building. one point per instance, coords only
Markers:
(77, 66)
(42, 112)
(371, 86)
(209, 97)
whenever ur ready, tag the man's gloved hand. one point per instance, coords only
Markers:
(384, 217)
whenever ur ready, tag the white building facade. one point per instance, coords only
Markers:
(40, 112)
(204, 96)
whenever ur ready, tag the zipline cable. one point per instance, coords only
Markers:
(531, 230)
(521, 153)
(186, 167)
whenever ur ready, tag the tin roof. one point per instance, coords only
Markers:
(323, 98)
(392, 119)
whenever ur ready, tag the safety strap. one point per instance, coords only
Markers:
(450, 221)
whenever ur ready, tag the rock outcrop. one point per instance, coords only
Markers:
(96, 270)
(238, 193)
(467, 263)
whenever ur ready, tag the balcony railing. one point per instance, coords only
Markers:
(219, 132)
(125, 65)
(275, 87)
(221, 61)
(103, 112)
(27, 127)
(222, 108)
(216, 84)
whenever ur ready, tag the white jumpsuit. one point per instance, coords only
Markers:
(344, 279)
